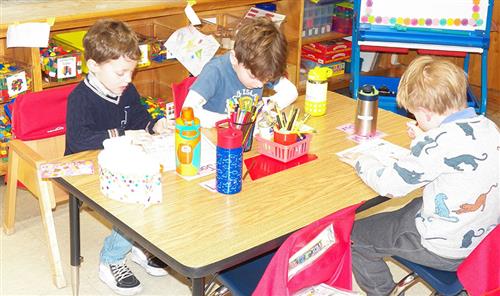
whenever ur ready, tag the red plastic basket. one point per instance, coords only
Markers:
(281, 152)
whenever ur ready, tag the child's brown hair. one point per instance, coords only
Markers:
(435, 84)
(109, 40)
(262, 48)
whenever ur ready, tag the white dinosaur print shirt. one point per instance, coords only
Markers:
(458, 166)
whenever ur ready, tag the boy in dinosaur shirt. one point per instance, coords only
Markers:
(454, 157)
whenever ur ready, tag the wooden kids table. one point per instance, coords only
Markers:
(199, 233)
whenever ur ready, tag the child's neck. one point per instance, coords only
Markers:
(99, 88)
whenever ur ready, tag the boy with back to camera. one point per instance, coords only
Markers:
(258, 60)
(106, 104)
(455, 157)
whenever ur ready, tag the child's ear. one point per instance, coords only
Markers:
(92, 65)
(428, 114)
(232, 58)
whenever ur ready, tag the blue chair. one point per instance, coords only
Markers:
(242, 279)
(444, 283)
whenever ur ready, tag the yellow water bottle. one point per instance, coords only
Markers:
(316, 90)
(187, 143)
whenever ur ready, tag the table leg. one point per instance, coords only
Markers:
(198, 287)
(74, 232)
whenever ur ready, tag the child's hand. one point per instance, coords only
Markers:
(163, 126)
(413, 129)
(269, 105)
(351, 158)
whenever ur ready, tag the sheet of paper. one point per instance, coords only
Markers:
(381, 149)
(348, 128)
(428, 14)
(192, 48)
(191, 15)
(28, 35)
(255, 12)
(162, 148)
(61, 169)
(209, 185)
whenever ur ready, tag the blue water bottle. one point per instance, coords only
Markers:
(229, 159)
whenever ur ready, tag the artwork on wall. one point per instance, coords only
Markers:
(441, 14)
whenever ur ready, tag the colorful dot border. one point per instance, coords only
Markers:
(475, 19)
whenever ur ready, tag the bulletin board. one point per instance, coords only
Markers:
(465, 15)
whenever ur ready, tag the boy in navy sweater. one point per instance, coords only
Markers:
(106, 104)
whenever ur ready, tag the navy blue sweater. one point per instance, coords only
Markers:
(89, 117)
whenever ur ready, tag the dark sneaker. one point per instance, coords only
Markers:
(119, 278)
(150, 263)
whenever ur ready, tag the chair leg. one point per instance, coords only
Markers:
(404, 284)
(9, 204)
(46, 191)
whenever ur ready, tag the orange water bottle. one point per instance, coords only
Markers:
(187, 143)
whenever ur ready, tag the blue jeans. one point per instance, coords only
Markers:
(115, 248)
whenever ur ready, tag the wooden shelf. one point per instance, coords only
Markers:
(324, 37)
(3, 168)
(46, 84)
(343, 81)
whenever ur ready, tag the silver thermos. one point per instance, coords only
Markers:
(365, 123)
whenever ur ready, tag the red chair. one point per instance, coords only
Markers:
(480, 271)
(180, 91)
(272, 274)
(38, 126)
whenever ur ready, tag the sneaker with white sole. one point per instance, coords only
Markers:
(119, 278)
(149, 262)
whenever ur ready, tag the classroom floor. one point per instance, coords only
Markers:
(24, 268)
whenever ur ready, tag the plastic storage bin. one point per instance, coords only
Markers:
(343, 17)
(15, 79)
(317, 18)
(72, 41)
(283, 153)
(152, 37)
(59, 64)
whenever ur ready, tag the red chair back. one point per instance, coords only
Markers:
(39, 115)
(479, 273)
(180, 91)
(332, 267)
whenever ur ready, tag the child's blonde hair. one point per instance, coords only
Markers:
(109, 40)
(262, 48)
(437, 85)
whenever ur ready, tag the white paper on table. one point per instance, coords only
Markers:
(382, 150)
(28, 35)
(192, 48)
(210, 185)
(162, 148)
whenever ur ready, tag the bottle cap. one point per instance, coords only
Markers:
(320, 73)
(187, 114)
(229, 138)
(368, 92)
